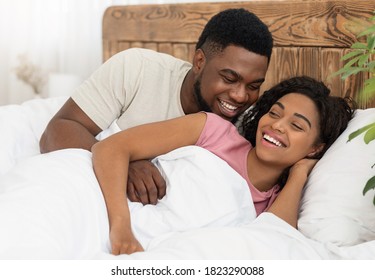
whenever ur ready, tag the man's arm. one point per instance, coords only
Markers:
(72, 128)
(69, 128)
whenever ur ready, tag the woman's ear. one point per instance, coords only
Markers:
(199, 60)
(316, 150)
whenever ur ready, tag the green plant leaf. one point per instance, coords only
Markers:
(371, 65)
(369, 87)
(351, 62)
(352, 71)
(369, 83)
(359, 45)
(370, 43)
(351, 54)
(367, 31)
(371, 80)
(370, 134)
(359, 131)
(369, 185)
(363, 59)
(342, 70)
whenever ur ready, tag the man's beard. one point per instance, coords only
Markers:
(201, 103)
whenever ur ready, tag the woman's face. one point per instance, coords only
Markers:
(288, 132)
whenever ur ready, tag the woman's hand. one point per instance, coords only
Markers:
(303, 167)
(123, 240)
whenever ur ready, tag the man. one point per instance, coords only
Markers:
(139, 86)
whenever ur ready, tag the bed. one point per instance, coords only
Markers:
(51, 206)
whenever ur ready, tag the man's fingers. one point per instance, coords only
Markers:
(142, 193)
(132, 193)
(161, 186)
(145, 183)
(148, 190)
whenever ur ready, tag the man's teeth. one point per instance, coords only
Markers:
(228, 106)
(272, 140)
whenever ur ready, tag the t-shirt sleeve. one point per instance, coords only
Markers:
(107, 92)
(214, 132)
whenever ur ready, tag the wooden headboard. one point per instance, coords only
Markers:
(310, 37)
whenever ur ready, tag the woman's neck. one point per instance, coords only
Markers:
(262, 175)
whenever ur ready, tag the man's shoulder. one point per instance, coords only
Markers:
(151, 56)
(145, 53)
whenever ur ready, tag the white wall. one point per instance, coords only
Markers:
(58, 36)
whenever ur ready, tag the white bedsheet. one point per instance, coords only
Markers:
(51, 206)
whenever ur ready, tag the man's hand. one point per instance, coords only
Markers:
(145, 183)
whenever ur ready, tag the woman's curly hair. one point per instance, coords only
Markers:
(334, 112)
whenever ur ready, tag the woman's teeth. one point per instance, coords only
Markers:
(273, 140)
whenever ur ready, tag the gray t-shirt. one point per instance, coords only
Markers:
(135, 86)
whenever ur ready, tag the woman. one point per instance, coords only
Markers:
(290, 127)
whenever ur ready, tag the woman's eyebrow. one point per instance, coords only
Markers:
(280, 104)
(304, 118)
(296, 114)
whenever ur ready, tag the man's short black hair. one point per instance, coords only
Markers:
(238, 27)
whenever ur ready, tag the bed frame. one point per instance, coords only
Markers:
(310, 37)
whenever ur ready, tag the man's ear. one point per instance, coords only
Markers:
(199, 60)
(316, 150)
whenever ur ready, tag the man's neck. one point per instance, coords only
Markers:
(187, 99)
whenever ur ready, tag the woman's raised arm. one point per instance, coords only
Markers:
(111, 159)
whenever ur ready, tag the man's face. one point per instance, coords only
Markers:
(229, 82)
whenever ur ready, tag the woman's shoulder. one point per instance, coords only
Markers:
(216, 125)
(217, 119)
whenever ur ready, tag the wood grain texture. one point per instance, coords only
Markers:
(310, 36)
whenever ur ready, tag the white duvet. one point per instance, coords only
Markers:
(51, 206)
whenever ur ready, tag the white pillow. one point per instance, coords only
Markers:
(21, 127)
(333, 208)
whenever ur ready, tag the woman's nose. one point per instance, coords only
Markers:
(278, 126)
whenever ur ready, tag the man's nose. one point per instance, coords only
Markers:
(239, 94)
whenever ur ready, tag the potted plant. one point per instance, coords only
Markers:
(361, 59)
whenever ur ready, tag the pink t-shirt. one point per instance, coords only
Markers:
(222, 138)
